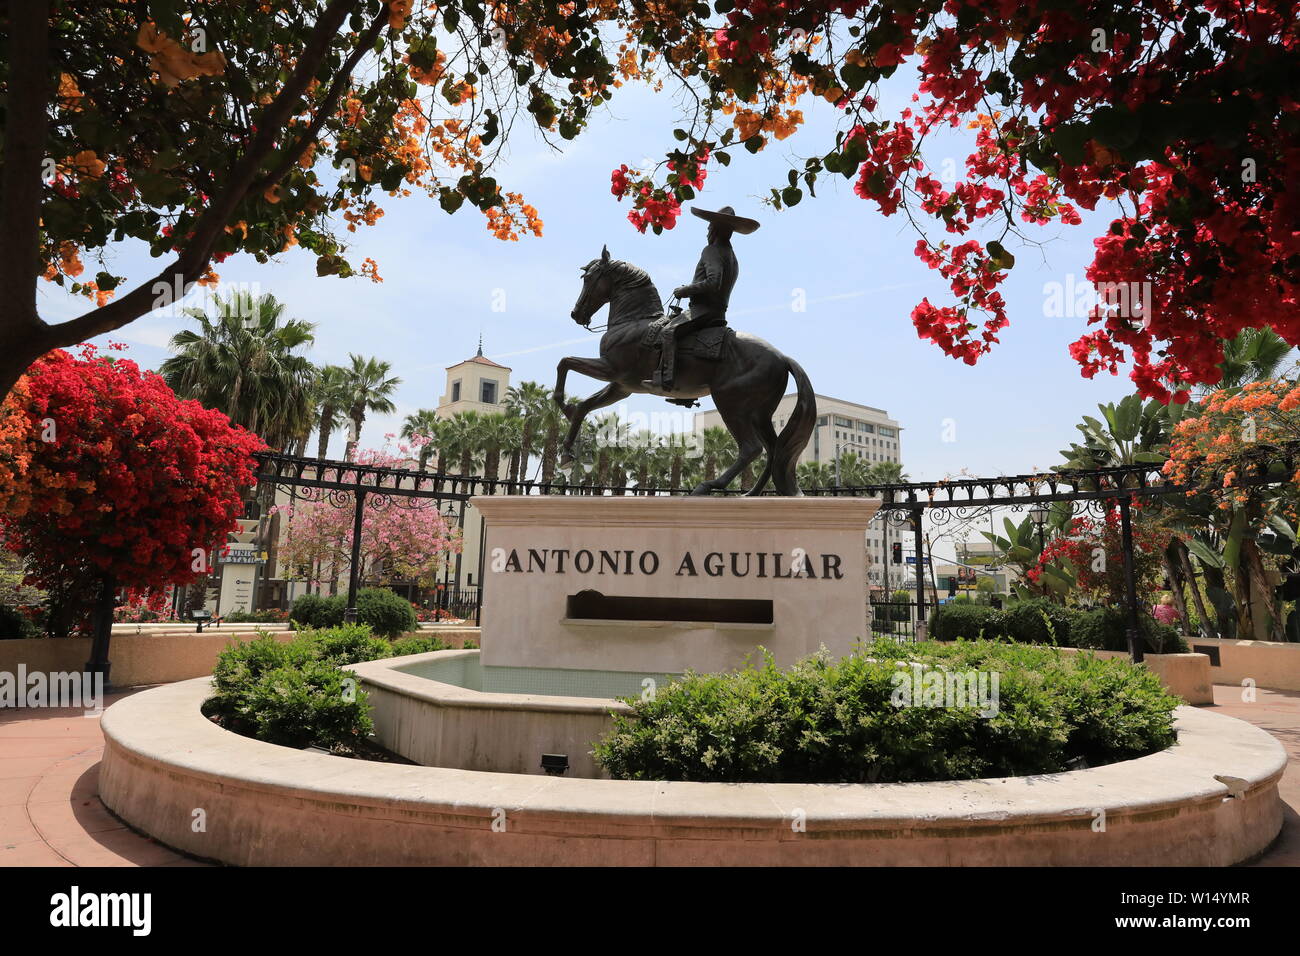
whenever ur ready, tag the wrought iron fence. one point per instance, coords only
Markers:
(463, 603)
(896, 619)
(347, 484)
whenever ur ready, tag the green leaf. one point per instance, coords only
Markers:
(791, 195)
(450, 200)
(1236, 532)
(1067, 141)
(1204, 553)
(999, 256)
(1114, 126)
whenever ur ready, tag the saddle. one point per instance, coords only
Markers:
(706, 343)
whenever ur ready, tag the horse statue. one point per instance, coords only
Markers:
(745, 375)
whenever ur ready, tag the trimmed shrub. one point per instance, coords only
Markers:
(293, 692)
(953, 622)
(312, 703)
(347, 644)
(840, 722)
(1036, 621)
(238, 669)
(267, 616)
(1106, 628)
(416, 645)
(388, 613)
(317, 611)
(14, 624)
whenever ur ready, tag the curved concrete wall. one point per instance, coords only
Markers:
(442, 725)
(269, 805)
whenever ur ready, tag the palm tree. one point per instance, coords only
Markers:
(550, 421)
(852, 470)
(424, 424)
(368, 390)
(462, 439)
(529, 401)
(886, 473)
(676, 447)
(716, 446)
(815, 474)
(1254, 355)
(330, 396)
(497, 432)
(241, 362)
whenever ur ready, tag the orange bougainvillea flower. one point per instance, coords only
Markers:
(69, 93)
(173, 62)
(88, 164)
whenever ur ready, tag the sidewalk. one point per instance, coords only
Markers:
(1278, 712)
(50, 814)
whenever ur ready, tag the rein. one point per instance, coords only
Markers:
(601, 328)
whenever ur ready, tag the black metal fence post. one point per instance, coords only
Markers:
(354, 570)
(1130, 583)
(919, 538)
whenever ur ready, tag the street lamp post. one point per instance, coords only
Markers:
(1040, 515)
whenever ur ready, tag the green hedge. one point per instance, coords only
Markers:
(1040, 621)
(837, 722)
(318, 611)
(294, 692)
(388, 613)
(14, 624)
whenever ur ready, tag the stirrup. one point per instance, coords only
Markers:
(685, 402)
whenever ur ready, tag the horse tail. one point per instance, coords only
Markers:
(794, 436)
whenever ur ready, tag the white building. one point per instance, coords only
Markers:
(842, 427)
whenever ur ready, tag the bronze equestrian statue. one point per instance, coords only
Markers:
(687, 355)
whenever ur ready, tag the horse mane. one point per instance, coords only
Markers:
(634, 295)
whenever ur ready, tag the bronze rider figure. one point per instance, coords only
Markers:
(709, 290)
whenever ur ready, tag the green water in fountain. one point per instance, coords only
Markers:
(466, 671)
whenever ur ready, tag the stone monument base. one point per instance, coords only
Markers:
(659, 585)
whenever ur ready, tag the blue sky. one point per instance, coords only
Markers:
(1010, 413)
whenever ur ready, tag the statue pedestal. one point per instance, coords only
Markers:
(656, 585)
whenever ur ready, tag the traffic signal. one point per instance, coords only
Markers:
(898, 552)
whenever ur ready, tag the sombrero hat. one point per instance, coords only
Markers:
(726, 216)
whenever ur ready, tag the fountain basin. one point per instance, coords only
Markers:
(268, 805)
(432, 709)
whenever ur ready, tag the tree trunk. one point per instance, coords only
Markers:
(550, 449)
(358, 417)
(1241, 598)
(1175, 575)
(1184, 562)
(1224, 606)
(326, 418)
(1265, 610)
(526, 445)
